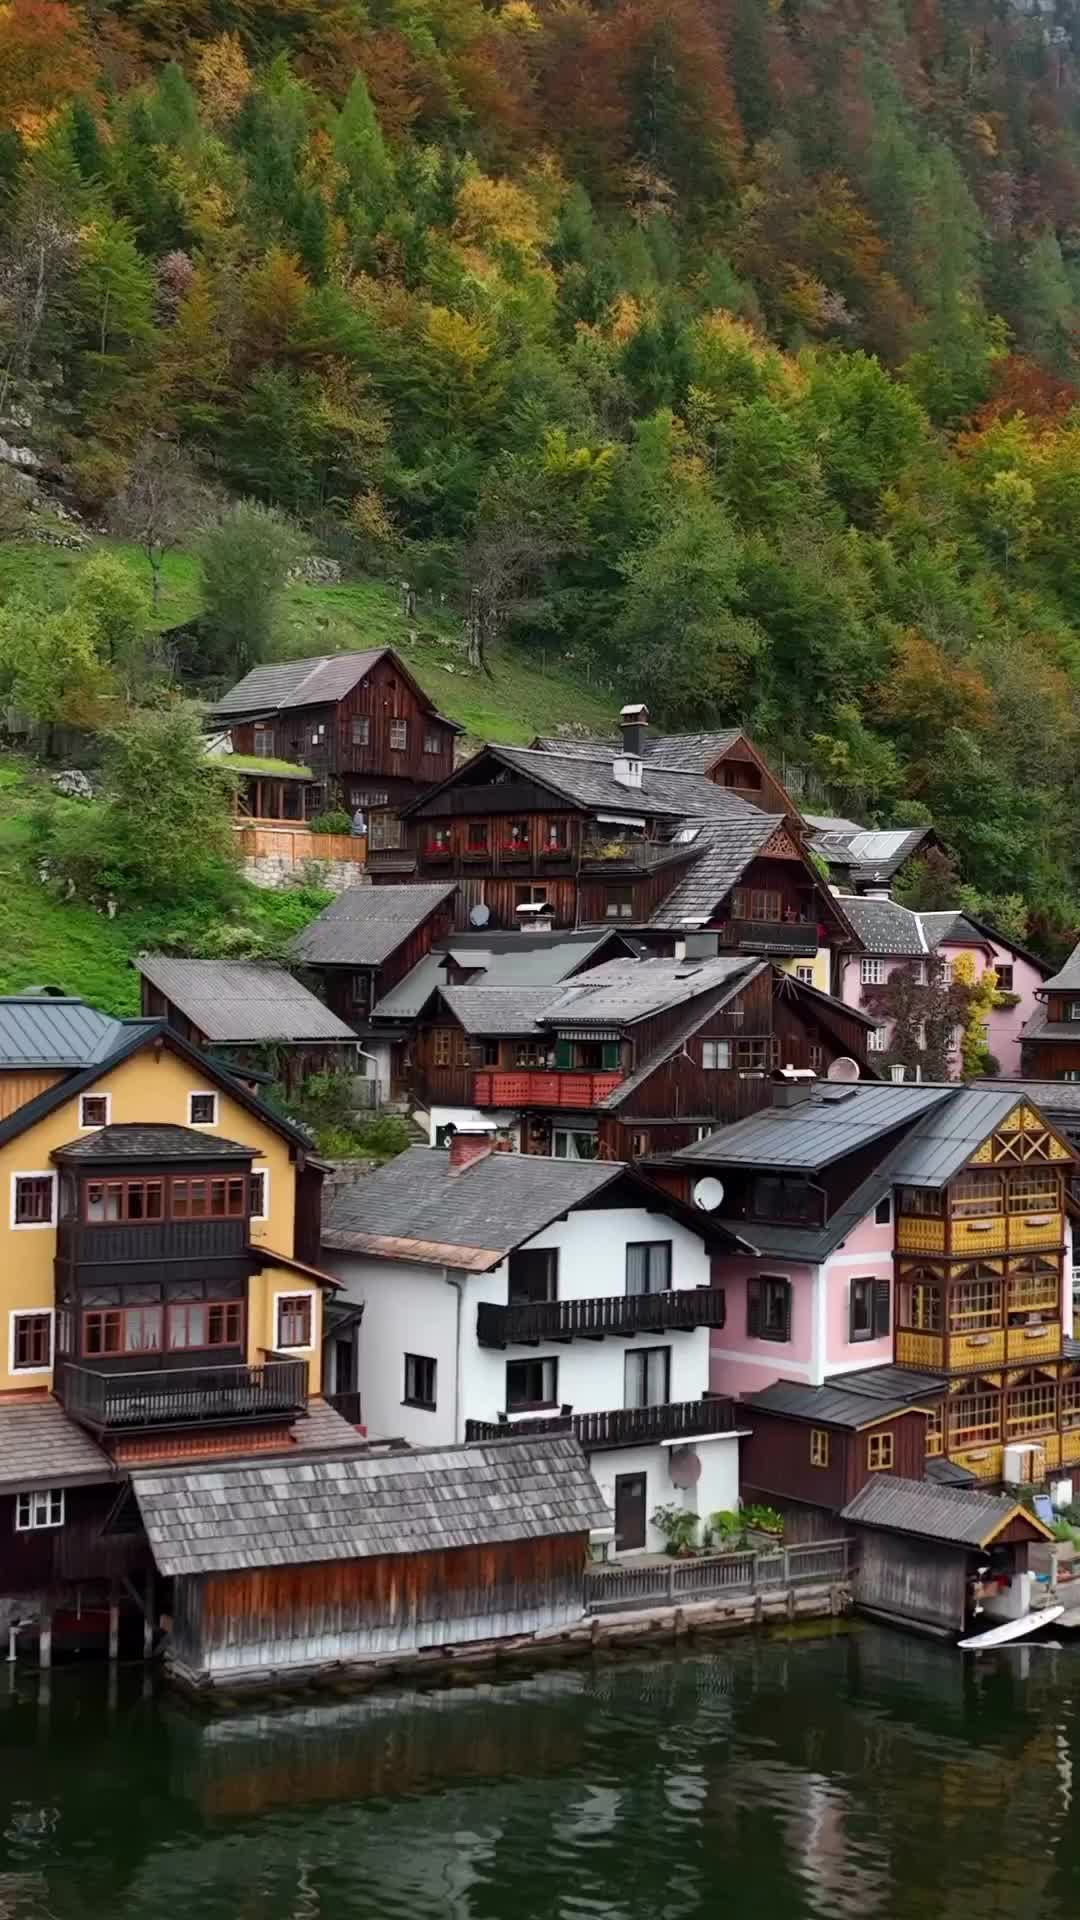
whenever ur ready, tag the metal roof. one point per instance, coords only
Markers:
(152, 1143)
(1067, 975)
(870, 853)
(47, 1030)
(893, 1383)
(41, 1447)
(367, 1505)
(952, 1515)
(818, 1130)
(508, 960)
(941, 1144)
(240, 1001)
(365, 925)
(829, 1406)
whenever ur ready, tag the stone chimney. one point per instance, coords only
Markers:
(468, 1145)
(633, 721)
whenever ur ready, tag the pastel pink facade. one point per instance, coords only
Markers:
(1004, 1024)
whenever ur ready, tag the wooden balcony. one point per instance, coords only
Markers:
(184, 1396)
(679, 1310)
(113, 1244)
(620, 1426)
(772, 936)
(493, 1087)
(973, 1351)
(628, 856)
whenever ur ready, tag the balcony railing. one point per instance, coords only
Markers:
(771, 936)
(348, 1406)
(184, 1396)
(620, 1426)
(531, 1088)
(680, 1310)
(629, 856)
(112, 1243)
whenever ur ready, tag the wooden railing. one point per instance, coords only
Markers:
(680, 1309)
(348, 1405)
(619, 1426)
(277, 840)
(114, 1244)
(610, 1589)
(529, 1087)
(629, 856)
(184, 1396)
(772, 936)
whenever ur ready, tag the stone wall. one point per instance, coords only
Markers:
(274, 870)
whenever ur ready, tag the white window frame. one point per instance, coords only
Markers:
(34, 1226)
(919, 973)
(264, 1170)
(805, 973)
(877, 1040)
(295, 1293)
(29, 1508)
(31, 1313)
(399, 725)
(204, 1093)
(87, 1126)
(716, 1064)
(871, 971)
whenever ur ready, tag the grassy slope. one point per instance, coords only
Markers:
(47, 942)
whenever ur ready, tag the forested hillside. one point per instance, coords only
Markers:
(731, 349)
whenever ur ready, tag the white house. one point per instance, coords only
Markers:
(501, 1288)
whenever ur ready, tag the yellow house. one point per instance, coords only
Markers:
(159, 1229)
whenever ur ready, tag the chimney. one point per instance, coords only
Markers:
(627, 770)
(700, 946)
(633, 720)
(794, 1087)
(468, 1145)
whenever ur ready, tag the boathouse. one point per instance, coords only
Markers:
(940, 1558)
(282, 1567)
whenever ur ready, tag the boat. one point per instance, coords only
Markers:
(1011, 1630)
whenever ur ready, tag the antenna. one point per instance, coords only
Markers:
(845, 1069)
(708, 1193)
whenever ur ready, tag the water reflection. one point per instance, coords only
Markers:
(866, 1776)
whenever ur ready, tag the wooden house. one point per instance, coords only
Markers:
(727, 757)
(361, 730)
(369, 939)
(809, 1450)
(368, 1557)
(249, 1014)
(941, 1559)
(868, 859)
(1050, 1041)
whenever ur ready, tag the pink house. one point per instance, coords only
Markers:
(891, 936)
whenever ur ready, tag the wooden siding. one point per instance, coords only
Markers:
(43, 1561)
(354, 1609)
(914, 1579)
(335, 983)
(736, 770)
(19, 1087)
(1051, 1060)
(776, 1456)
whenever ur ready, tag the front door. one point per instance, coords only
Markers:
(344, 1365)
(629, 1512)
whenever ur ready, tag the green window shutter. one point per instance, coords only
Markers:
(610, 1056)
(564, 1053)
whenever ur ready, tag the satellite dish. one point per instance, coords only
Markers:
(685, 1467)
(479, 915)
(844, 1069)
(708, 1193)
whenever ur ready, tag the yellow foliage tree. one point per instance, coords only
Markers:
(983, 996)
(223, 78)
(493, 213)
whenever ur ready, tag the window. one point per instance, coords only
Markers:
(569, 1143)
(1072, 1011)
(935, 1434)
(1031, 1408)
(918, 972)
(555, 836)
(816, 1054)
(534, 1276)
(206, 1324)
(1033, 1290)
(264, 742)
(360, 730)
(976, 1193)
(528, 1053)
(318, 734)
(107, 1201)
(619, 903)
(974, 1419)
(530, 896)
(975, 1304)
(868, 1312)
(43, 1508)
(449, 1048)
(768, 1309)
(259, 1193)
(647, 1377)
(1035, 1191)
(31, 1342)
(1004, 977)
(1070, 1400)
(648, 1266)
(921, 1304)
(216, 1199)
(202, 1109)
(819, 1447)
(715, 1055)
(776, 1198)
(94, 1110)
(419, 1381)
(922, 1200)
(754, 1056)
(883, 1212)
(33, 1199)
(639, 1145)
(757, 903)
(439, 840)
(531, 1383)
(877, 1040)
(64, 1330)
(294, 1319)
(399, 736)
(122, 1330)
(103, 1331)
(476, 836)
(805, 974)
(880, 1449)
(432, 740)
(517, 836)
(872, 972)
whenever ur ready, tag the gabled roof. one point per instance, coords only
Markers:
(701, 1011)
(365, 925)
(520, 959)
(512, 1011)
(946, 1139)
(884, 926)
(724, 851)
(621, 992)
(1067, 976)
(241, 1001)
(152, 1143)
(682, 752)
(871, 853)
(50, 1030)
(836, 1120)
(831, 1405)
(1039, 1029)
(956, 1516)
(318, 681)
(40, 1446)
(366, 1505)
(589, 783)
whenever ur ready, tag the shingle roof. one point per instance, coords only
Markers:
(502, 1010)
(365, 925)
(619, 992)
(701, 1011)
(1052, 1097)
(509, 960)
(365, 1505)
(832, 1406)
(1067, 975)
(953, 926)
(152, 1143)
(681, 752)
(883, 926)
(724, 853)
(243, 1000)
(40, 1446)
(487, 1208)
(1039, 1028)
(817, 1131)
(45, 1030)
(948, 1136)
(590, 782)
(931, 1512)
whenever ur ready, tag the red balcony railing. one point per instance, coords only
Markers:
(528, 1088)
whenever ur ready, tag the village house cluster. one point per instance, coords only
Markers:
(674, 1234)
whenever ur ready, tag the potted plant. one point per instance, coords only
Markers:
(725, 1531)
(679, 1527)
(764, 1520)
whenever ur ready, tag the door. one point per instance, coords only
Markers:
(629, 1512)
(344, 1365)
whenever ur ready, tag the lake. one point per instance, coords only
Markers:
(861, 1774)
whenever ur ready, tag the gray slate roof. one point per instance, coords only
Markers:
(1054, 1098)
(681, 752)
(618, 992)
(365, 925)
(500, 1010)
(496, 1204)
(314, 682)
(701, 1010)
(152, 1143)
(831, 1406)
(950, 1514)
(1041, 1029)
(1067, 975)
(590, 782)
(44, 1030)
(940, 1144)
(883, 926)
(243, 1000)
(365, 1505)
(508, 960)
(41, 1447)
(819, 1130)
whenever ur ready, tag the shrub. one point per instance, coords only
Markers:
(679, 1527)
(336, 821)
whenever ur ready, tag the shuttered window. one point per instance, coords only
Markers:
(768, 1309)
(869, 1316)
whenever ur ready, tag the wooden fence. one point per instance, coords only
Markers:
(621, 1588)
(261, 840)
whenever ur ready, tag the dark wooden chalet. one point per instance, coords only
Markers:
(368, 939)
(1050, 1042)
(362, 727)
(810, 1449)
(727, 757)
(277, 1572)
(250, 1014)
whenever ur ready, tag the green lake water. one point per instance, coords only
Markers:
(868, 1774)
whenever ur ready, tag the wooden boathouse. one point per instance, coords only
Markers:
(282, 1567)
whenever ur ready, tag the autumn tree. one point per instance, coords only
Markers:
(925, 1008)
(162, 504)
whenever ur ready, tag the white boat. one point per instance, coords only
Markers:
(1011, 1630)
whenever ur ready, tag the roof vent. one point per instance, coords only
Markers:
(627, 769)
